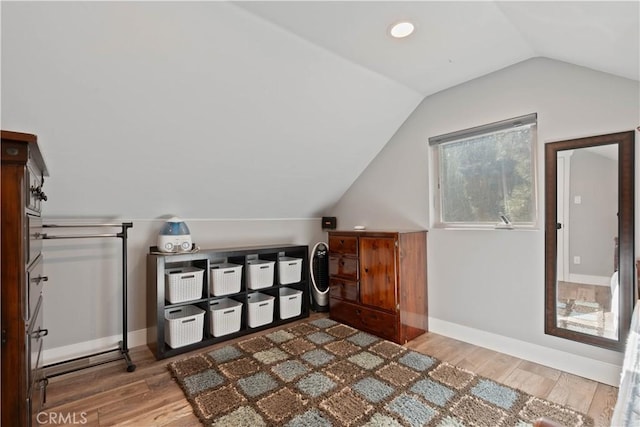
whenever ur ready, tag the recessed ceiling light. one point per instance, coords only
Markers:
(401, 29)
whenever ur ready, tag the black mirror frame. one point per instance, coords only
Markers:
(626, 235)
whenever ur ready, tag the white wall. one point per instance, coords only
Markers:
(195, 108)
(490, 281)
(83, 296)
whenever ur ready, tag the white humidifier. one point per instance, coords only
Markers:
(174, 236)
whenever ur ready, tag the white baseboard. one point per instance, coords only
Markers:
(596, 370)
(60, 354)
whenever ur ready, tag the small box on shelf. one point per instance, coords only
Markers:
(289, 270)
(259, 273)
(183, 284)
(226, 314)
(290, 303)
(183, 325)
(225, 279)
(260, 309)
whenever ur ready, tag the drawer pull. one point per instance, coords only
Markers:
(228, 312)
(38, 193)
(43, 386)
(40, 333)
(263, 304)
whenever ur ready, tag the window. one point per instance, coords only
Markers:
(486, 175)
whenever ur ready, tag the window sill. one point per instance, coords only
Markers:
(487, 227)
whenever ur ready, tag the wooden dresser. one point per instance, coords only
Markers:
(378, 282)
(23, 172)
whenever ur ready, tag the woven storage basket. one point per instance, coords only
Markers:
(225, 318)
(290, 301)
(225, 279)
(260, 273)
(260, 309)
(289, 270)
(183, 284)
(183, 325)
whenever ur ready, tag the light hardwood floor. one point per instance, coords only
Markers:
(108, 395)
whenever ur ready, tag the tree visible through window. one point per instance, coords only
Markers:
(487, 176)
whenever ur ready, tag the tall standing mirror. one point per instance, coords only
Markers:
(589, 239)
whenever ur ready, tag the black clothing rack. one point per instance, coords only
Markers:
(95, 359)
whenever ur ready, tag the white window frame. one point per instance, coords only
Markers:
(504, 125)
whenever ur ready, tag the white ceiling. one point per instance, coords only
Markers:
(456, 41)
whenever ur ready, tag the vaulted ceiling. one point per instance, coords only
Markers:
(257, 109)
(456, 41)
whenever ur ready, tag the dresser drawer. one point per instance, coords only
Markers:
(33, 238)
(378, 323)
(343, 289)
(346, 245)
(35, 282)
(343, 266)
(34, 188)
(35, 334)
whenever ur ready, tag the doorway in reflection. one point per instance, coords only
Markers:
(587, 207)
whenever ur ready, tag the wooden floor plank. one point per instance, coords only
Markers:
(475, 359)
(573, 391)
(453, 351)
(604, 400)
(95, 401)
(173, 413)
(529, 382)
(497, 366)
(154, 408)
(543, 371)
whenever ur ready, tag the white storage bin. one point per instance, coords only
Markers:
(183, 325)
(183, 284)
(225, 316)
(225, 279)
(289, 270)
(259, 273)
(290, 303)
(260, 309)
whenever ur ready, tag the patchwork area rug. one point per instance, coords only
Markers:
(581, 316)
(323, 373)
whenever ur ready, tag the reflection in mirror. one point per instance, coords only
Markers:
(587, 284)
(589, 238)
